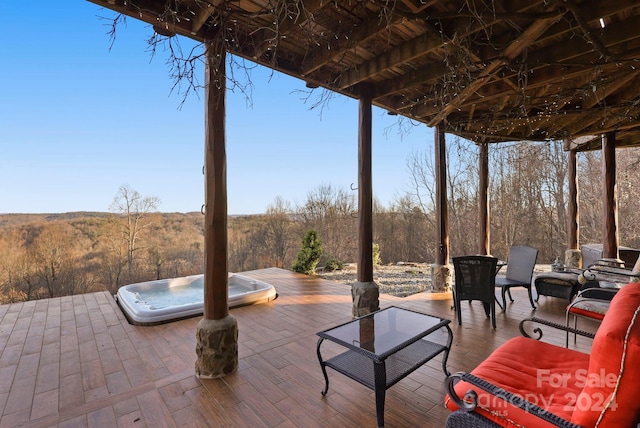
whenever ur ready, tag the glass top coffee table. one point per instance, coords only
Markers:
(383, 348)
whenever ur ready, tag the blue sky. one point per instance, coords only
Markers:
(78, 120)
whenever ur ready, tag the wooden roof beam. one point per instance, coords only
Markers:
(630, 94)
(482, 97)
(422, 45)
(307, 9)
(424, 74)
(370, 26)
(203, 14)
(459, 24)
(611, 85)
(585, 126)
(591, 12)
(416, 6)
(514, 49)
(577, 47)
(557, 55)
(499, 88)
(183, 27)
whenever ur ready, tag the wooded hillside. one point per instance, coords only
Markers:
(50, 255)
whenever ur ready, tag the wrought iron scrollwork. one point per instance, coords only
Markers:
(537, 331)
(470, 400)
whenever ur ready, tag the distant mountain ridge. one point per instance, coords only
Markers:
(18, 219)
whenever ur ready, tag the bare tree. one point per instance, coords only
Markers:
(333, 214)
(590, 194)
(276, 233)
(462, 188)
(135, 212)
(57, 250)
(403, 232)
(552, 200)
(627, 179)
(15, 269)
(112, 253)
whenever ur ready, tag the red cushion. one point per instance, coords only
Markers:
(534, 370)
(590, 308)
(614, 368)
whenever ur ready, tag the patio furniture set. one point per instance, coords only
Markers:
(476, 278)
(557, 386)
(525, 382)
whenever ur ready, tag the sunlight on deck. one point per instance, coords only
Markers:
(75, 361)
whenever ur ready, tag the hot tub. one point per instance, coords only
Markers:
(164, 300)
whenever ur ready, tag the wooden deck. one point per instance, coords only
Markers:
(76, 362)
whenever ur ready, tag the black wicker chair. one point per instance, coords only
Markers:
(475, 280)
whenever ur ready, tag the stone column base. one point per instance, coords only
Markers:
(366, 298)
(216, 347)
(573, 258)
(441, 278)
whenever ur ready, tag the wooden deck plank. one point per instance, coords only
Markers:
(75, 361)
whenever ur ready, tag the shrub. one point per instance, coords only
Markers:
(377, 261)
(309, 255)
(333, 264)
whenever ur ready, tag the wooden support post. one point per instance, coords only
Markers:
(217, 331)
(573, 256)
(573, 217)
(442, 217)
(216, 274)
(483, 196)
(365, 188)
(610, 197)
(441, 270)
(365, 292)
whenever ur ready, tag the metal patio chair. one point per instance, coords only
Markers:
(522, 261)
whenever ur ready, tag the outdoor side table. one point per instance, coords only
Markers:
(383, 348)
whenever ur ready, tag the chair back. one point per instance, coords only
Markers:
(475, 277)
(521, 263)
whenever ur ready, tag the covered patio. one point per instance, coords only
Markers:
(489, 72)
(76, 362)
(486, 71)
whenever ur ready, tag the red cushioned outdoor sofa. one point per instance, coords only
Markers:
(530, 383)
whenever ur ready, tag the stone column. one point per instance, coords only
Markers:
(366, 298)
(216, 347)
(217, 332)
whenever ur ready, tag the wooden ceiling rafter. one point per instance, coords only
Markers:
(608, 86)
(532, 82)
(511, 51)
(419, 46)
(541, 77)
(284, 26)
(367, 29)
(205, 12)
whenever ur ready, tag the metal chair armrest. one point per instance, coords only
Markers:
(538, 332)
(470, 400)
